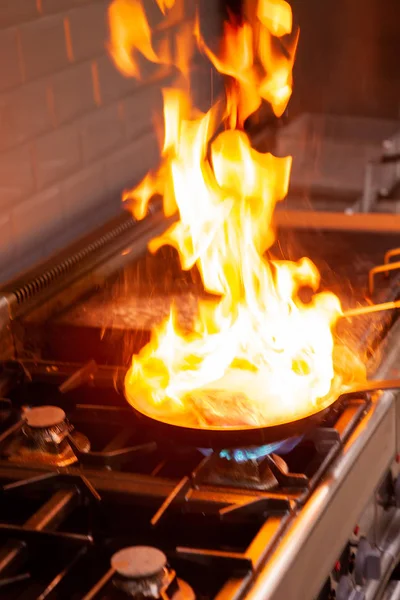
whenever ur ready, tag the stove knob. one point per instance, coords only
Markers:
(367, 564)
(345, 588)
(373, 565)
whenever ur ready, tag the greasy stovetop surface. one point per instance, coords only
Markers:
(114, 322)
(143, 293)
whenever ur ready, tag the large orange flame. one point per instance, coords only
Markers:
(258, 355)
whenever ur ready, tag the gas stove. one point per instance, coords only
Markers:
(92, 506)
(219, 513)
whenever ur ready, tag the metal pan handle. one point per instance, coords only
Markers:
(373, 386)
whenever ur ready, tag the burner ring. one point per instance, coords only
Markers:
(42, 417)
(139, 562)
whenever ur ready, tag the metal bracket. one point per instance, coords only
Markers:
(385, 268)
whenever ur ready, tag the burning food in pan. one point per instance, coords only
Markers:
(259, 356)
(242, 399)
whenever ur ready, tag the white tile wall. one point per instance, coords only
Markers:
(73, 131)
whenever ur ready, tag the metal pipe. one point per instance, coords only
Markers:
(307, 219)
(391, 254)
(367, 310)
(394, 266)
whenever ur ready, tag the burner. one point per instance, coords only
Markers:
(249, 473)
(45, 417)
(242, 455)
(44, 438)
(142, 572)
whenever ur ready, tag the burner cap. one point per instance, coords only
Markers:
(44, 416)
(138, 562)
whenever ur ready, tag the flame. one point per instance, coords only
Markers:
(129, 31)
(276, 16)
(165, 5)
(258, 354)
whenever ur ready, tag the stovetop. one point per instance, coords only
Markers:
(76, 490)
(113, 322)
(70, 510)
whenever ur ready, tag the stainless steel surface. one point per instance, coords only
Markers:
(312, 544)
(381, 177)
(389, 548)
(331, 152)
(348, 159)
(392, 591)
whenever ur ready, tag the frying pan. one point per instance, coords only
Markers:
(220, 438)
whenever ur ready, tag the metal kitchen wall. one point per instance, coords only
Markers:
(73, 131)
(348, 58)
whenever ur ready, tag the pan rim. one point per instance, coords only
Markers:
(233, 429)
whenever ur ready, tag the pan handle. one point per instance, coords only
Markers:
(373, 386)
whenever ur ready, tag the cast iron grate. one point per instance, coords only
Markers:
(131, 490)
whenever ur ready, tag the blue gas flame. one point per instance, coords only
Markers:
(241, 455)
